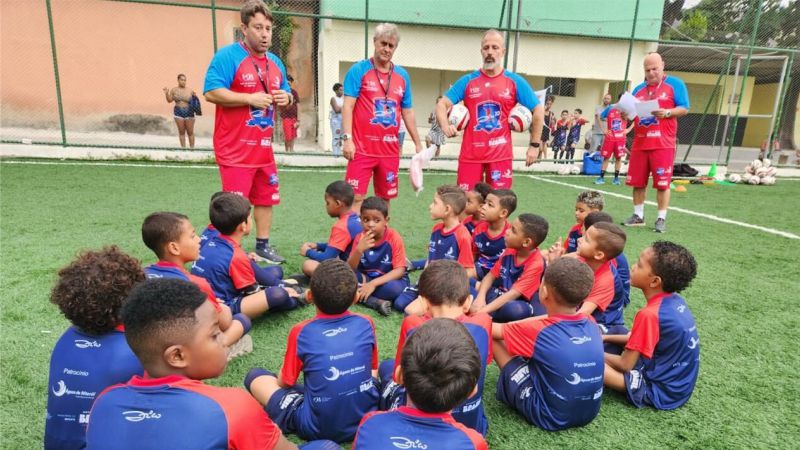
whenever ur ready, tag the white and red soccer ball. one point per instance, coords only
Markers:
(520, 118)
(458, 116)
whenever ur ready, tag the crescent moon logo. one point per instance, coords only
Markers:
(334, 374)
(575, 379)
(62, 389)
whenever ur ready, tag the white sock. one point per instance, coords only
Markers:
(662, 214)
(639, 210)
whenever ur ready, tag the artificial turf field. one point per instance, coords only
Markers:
(744, 298)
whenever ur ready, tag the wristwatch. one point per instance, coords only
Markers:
(536, 144)
(668, 114)
(346, 136)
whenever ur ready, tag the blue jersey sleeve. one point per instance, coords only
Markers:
(525, 95)
(322, 254)
(223, 67)
(680, 91)
(352, 80)
(638, 87)
(284, 81)
(457, 90)
(406, 103)
(605, 112)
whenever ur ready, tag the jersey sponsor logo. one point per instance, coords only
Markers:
(616, 125)
(365, 386)
(261, 118)
(386, 260)
(693, 343)
(647, 121)
(399, 91)
(681, 308)
(138, 416)
(83, 418)
(574, 379)
(79, 373)
(580, 340)
(83, 343)
(450, 254)
(391, 177)
(585, 364)
(273, 179)
(497, 141)
(371, 86)
(61, 390)
(334, 373)
(404, 443)
(505, 94)
(248, 77)
(471, 406)
(384, 112)
(495, 175)
(340, 355)
(390, 138)
(334, 331)
(266, 142)
(488, 116)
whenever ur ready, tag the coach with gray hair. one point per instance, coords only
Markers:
(377, 95)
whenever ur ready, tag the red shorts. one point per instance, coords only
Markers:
(657, 162)
(498, 174)
(259, 184)
(289, 131)
(611, 147)
(363, 167)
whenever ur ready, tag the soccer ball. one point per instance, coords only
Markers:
(746, 177)
(520, 118)
(749, 169)
(766, 163)
(575, 170)
(754, 180)
(756, 164)
(768, 181)
(734, 178)
(772, 171)
(458, 116)
(564, 170)
(762, 171)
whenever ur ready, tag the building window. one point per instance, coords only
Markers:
(564, 87)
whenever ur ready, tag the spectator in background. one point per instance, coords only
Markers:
(183, 114)
(549, 126)
(337, 101)
(290, 121)
(598, 133)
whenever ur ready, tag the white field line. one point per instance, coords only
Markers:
(677, 209)
(534, 177)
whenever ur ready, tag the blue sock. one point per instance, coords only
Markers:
(262, 243)
(246, 323)
(278, 300)
(254, 373)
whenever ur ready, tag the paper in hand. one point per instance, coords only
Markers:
(627, 105)
(645, 109)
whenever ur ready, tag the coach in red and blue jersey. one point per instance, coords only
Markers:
(245, 81)
(489, 95)
(654, 140)
(552, 368)
(377, 96)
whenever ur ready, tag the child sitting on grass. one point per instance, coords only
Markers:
(92, 354)
(660, 363)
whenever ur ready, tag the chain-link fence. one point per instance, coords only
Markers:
(94, 72)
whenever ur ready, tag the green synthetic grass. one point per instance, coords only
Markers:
(744, 298)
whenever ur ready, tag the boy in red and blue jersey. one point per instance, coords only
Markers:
(172, 238)
(247, 82)
(661, 360)
(229, 270)
(476, 197)
(619, 264)
(444, 290)
(439, 346)
(174, 331)
(614, 142)
(574, 135)
(489, 236)
(586, 203)
(338, 203)
(377, 96)
(552, 367)
(560, 132)
(92, 354)
(337, 353)
(378, 258)
(508, 292)
(449, 240)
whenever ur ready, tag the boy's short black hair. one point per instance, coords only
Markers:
(91, 289)
(592, 199)
(227, 211)
(610, 239)
(534, 227)
(440, 365)
(482, 189)
(564, 111)
(161, 228)
(596, 217)
(550, 98)
(674, 264)
(569, 279)
(336, 86)
(452, 196)
(507, 198)
(333, 286)
(444, 282)
(342, 191)
(375, 204)
(160, 312)
(580, 111)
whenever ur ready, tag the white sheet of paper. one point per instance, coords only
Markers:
(645, 109)
(627, 105)
(541, 95)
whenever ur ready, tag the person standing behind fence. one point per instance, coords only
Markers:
(377, 96)
(337, 101)
(489, 94)
(654, 140)
(598, 128)
(183, 114)
(291, 123)
(245, 81)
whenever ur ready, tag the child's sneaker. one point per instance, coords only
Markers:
(600, 180)
(384, 307)
(634, 221)
(241, 347)
(270, 255)
(299, 278)
(616, 182)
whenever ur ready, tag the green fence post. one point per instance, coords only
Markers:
(366, 29)
(786, 80)
(55, 72)
(508, 34)
(214, 22)
(744, 81)
(630, 43)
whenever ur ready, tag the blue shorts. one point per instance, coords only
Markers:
(515, 387)
(613, 329)
(235, 305)
(393, 395)
(637, 389)
(183, 113)
(283, 406)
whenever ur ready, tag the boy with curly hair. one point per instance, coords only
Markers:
(92, 354)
